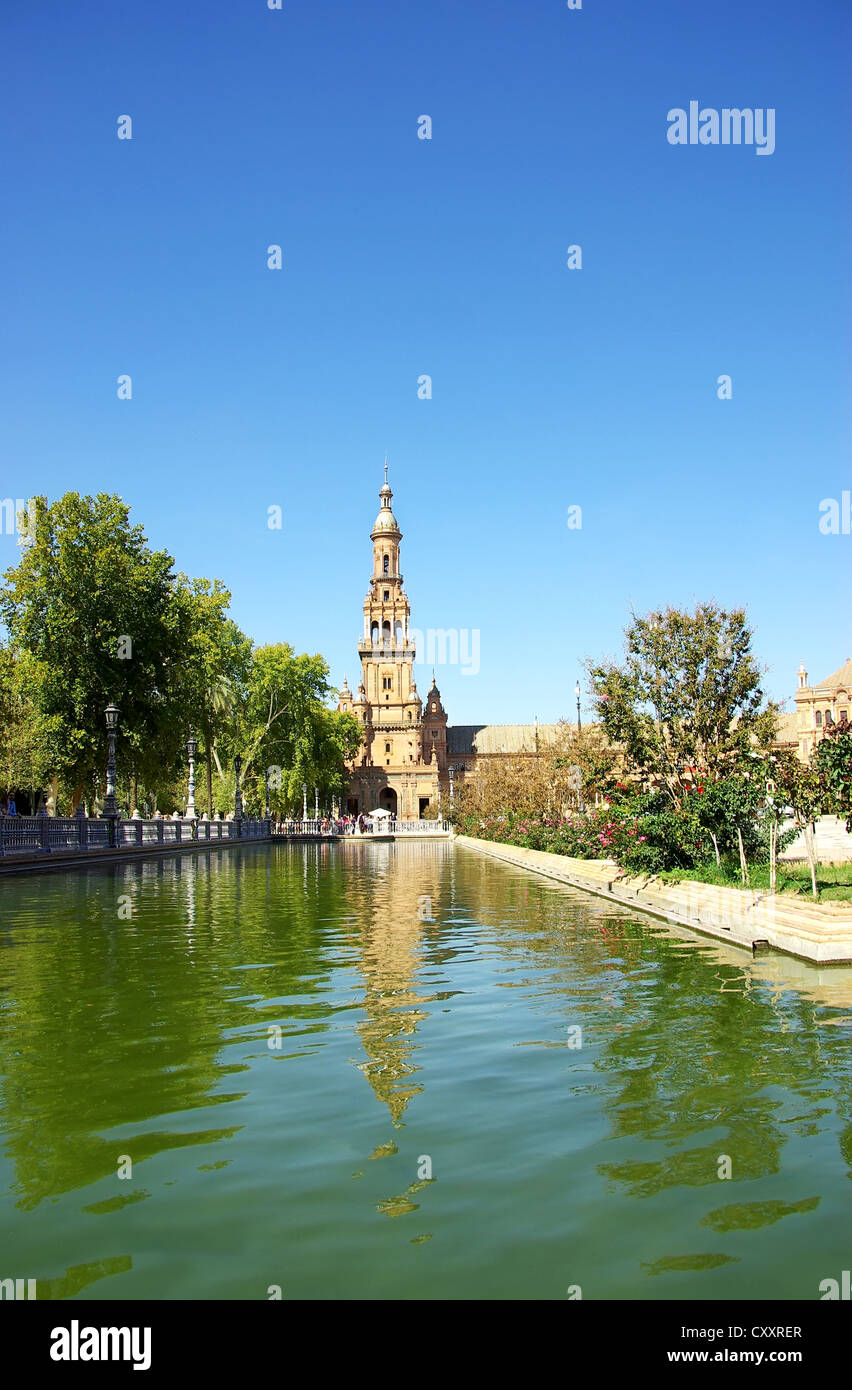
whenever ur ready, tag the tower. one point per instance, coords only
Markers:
(390, 768)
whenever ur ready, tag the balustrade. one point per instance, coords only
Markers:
(39, 835)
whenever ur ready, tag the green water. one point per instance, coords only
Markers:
(402, 1040)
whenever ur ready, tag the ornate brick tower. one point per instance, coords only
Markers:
(390, 769)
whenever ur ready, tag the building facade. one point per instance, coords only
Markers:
(818, 707)
(409, 758)
(404, 743)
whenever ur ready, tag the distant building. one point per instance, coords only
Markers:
(408, 754)
(817, 708)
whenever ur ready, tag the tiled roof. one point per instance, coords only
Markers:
(498, 738)
(842, 677)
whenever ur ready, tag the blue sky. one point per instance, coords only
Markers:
(402, 257)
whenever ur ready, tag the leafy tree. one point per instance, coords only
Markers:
(217, 664)
(93, 608)
(801, 787)
(284, 724)
(687, 698)
(25, 735)
(832, 760)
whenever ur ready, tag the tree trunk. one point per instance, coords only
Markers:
(743, 864)
(716, 848)
(810, 846)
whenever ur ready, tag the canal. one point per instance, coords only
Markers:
(406, 1071)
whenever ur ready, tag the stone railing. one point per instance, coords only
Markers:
(50, 834)
(373, 827)
(420, 827)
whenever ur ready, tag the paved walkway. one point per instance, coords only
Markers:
(833, 842)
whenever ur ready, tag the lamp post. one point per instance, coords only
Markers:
(316, 803)
(191, 753)
(110, 810)
(238, 796)
(578, 692)
(266, 791)
(451, 773)
(304, 801)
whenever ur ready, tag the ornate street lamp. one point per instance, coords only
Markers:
(304, 801)
(238, 796)
(452, 772)
(192, 754)
(266, 791)
(111, 714)
(316, 803)
(577, 692)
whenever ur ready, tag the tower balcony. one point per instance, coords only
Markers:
(386, 647)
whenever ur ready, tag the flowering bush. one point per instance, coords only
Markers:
(643, 833)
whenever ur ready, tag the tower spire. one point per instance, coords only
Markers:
(386, 470)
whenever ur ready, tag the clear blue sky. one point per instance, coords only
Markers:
(402, 256)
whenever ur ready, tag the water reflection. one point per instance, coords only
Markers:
(117, 1028)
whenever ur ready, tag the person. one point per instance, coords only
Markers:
(11, 808)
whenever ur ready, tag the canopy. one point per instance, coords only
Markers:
(380, 812)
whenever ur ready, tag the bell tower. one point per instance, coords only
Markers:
(386, 650)
(390, 768)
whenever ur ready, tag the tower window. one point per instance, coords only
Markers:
(386, 595)
(387, 682)
(387, 748)
(385, 564)
(819, 718)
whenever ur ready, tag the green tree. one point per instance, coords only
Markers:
(97, 615)
(285, 724)
(216, 667)
(832, 760)
(687, 699)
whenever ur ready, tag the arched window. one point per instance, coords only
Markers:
(409, 716)
(374, 634)
(819, 718)
(399, 634)
(385, 564)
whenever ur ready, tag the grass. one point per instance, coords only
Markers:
(834, 881)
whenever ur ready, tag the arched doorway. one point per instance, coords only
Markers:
(387, 799)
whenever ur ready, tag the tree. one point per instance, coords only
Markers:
(687, 699)
(285, 724)
(801, 787)
(95, 615)
(93, 607)
(832, 760)
(216, 666)
(25, 735)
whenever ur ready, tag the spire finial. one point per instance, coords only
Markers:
(386, 470)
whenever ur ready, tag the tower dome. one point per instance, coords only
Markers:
(386, 522)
